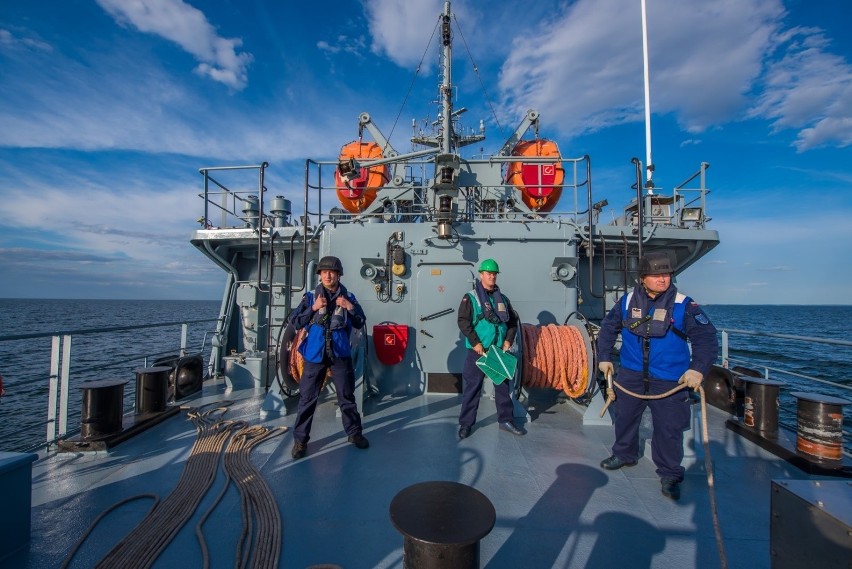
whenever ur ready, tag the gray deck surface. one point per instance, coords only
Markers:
(555, 506)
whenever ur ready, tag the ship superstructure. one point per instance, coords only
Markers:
(411, 229)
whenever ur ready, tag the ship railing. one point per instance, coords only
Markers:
(489, 200)
(792, 380)
(64, 374)
(684, 207)
(236, 207)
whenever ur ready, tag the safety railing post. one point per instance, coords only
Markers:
(63, 385)
(183, 334)
(52, 385)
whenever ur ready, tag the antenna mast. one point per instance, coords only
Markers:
(649, 163)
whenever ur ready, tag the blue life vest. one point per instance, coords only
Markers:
(336, 323)
(660, 324)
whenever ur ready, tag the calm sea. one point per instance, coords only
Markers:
(25, 364)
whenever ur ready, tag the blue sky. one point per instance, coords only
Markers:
(108, 108)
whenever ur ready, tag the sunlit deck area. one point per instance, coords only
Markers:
(555, 507)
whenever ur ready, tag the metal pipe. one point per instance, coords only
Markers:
(640, 208)
(260, 218)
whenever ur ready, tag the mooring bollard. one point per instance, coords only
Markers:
(761, 404)
(152, 388)
(103, 407)
(442, 523)
(819, 427)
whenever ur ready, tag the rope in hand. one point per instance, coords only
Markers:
(708, 463)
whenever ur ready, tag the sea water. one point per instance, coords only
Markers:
(25, 364)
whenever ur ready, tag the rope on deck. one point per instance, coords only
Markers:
(708, 462)
(555, 357)
(143, 544)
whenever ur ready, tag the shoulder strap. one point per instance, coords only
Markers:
(680, 298)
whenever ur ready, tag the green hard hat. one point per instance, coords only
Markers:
(489, 265)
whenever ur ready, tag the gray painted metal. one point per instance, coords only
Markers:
(411, 253)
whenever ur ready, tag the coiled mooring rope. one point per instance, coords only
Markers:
(143, 545)
(708, 462)
(261, 518)
(555, 357)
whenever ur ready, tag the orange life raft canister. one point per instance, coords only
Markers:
(357, 194)
(540, 184)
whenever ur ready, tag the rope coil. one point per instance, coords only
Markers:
(228, 442)
(555, 357)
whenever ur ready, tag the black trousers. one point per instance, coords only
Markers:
(313, 375)
(472, 378)
(670, 415)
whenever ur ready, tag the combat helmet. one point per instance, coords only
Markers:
(655, 264)
(489, 265)
(330, 263)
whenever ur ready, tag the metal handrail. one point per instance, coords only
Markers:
(726, 360)
(84, 331)
(60, 366)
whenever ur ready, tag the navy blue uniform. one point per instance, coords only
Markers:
(653, 366)
(332, 355)
(472, 376)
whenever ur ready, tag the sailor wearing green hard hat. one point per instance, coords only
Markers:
(486, 319)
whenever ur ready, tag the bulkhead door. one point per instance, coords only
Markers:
(440, 345)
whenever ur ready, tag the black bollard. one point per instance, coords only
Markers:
(442, 523)
(103, 405)
(152, 387)
(761, 404)
(819, 427)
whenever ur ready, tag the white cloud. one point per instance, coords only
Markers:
(808, 89)
(343, 44)
(585, 65)
(188, 27)
(121, 100)
(10, 40)
(401, 29)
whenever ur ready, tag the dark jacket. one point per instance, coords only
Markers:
(327, 331)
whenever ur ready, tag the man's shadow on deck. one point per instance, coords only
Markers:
(614, 536)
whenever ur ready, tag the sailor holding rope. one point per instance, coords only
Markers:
(658, 326)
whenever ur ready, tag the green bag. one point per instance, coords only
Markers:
(498, 365)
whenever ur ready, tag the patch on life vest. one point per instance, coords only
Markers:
(636, 313)
(659, 314)
(501, 307)
(701, 319)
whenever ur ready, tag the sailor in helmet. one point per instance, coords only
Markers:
(329, 313)
(658, 326)
(486, 319)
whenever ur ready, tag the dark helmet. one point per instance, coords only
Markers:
(655, 264)
(330, 263)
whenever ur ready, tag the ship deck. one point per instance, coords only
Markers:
(554, 505)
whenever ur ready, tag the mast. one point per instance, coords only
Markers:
(447, 82)
(649, 184)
